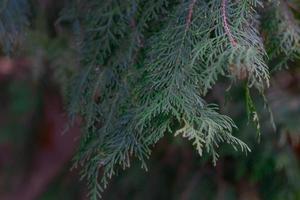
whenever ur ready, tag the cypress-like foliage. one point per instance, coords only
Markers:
(147, 66)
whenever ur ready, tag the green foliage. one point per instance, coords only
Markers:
(282, 31)
(272, 166)
(252, 112)
(147, 65)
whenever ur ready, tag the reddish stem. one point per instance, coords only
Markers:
(189, 17)
(226, 27)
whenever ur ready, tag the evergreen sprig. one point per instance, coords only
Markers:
(147, 77)
(148, 64)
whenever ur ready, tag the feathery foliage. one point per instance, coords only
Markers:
(282, 31)
(147, 66)
(173, 66)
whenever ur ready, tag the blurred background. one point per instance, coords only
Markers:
(36, 146)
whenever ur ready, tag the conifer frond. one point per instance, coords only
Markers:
(103, 95)
(209, 130)
(283, 33)
(147, 65)
(231, 45)
(172, 82)
(182, 61)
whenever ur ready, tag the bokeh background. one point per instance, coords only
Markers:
(37, 146)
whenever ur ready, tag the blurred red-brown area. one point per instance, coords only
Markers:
(32, 165)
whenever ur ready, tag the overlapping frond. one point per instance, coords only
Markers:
(176, 61)
(103, 96)
(147, 66)
(172, 81)
(231, 45)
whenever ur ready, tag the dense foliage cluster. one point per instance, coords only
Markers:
(147, 65)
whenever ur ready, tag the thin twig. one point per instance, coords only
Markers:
(189, 17)
(226, 27)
